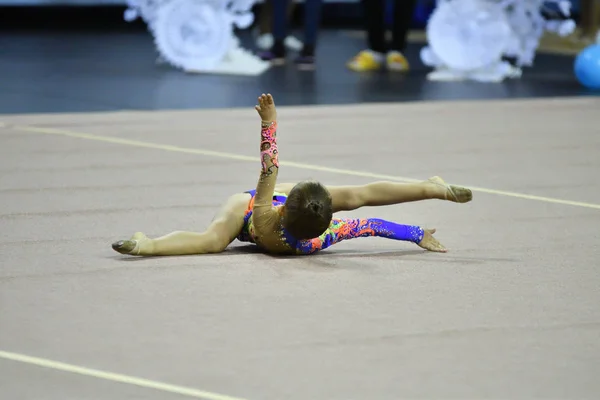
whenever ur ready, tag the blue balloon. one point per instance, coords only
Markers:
(587, 67)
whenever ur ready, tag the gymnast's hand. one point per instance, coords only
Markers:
(266, 108)
(430, 243)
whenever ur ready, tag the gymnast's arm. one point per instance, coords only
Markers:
(264, 214)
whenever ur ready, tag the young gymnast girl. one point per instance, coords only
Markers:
(298, 218)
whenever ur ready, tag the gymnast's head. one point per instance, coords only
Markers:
(308, 210)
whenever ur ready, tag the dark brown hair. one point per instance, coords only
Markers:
(308, 210)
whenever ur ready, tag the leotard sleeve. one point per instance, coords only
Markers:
(343, 229)
(269, 156)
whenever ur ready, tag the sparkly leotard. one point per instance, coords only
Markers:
(339, 229)
(247, 232)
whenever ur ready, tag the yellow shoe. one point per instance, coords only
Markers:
(366, 60)
(397, 62)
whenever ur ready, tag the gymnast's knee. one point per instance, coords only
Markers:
(214, 242)
(218, 236)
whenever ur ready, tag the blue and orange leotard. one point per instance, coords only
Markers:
(247, 232)
(340, 229)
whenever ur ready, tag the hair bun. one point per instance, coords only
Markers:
(315, 206)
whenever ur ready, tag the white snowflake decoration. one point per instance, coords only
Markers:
(145, 9)
(528, 26)
(197, 35)
(468, 38)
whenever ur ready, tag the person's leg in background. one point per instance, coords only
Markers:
(374, 56)
(263, 33)
(379, 52)
(276, 55)
(265, 19)
(312, 23)
(403, 13)
(375, 24)
(312, 20)
(590, 19)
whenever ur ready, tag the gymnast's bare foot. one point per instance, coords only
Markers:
(457, 194)
(430, 243)
(131, 246)
(266, 108)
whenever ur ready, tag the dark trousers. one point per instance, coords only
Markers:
(265, 22)
(375, 23)
(312, 20)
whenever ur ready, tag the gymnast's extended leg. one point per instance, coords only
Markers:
(347, 198)
(220, 233)
(384, 193)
